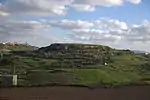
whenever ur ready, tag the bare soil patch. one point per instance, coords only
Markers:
(75, 93)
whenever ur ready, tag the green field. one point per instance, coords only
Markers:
(82, 77)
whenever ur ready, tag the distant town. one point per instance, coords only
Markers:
(14, 43)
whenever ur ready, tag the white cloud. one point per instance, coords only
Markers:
(139, 32)
(35, 7)
(105, 30)
(3, 13)
(99, 2)
(41, 40)
(56, 7)
(87, 31)
(105, 2)
(89, 5)
(12, 29)
(108, 30)
(115, 33)
(95, 36)
(105, 24)
(83, 8)
(71, 24)
(135, 1)
(112, 24)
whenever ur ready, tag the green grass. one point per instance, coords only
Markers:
(82, 77)
(100, 76)
(128, 62)
(123, 67)
(42, 77)
(122, 71)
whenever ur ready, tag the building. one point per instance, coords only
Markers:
(10, 43)
(8, 80)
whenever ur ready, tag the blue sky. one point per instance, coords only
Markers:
(128, 12)
(109, 22)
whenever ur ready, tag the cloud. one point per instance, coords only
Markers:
(99, 2)
(104, 30)
(105, 2)
(44, 8)
(83, 8)
(114, 33)
(41, 40)
(95, 36)
(111, 24)
(35, 7)
(90, 5)
(13, 29)
(135, 1)
(102, 23)
(71, 24)
(87, 31)
(3, 13)
(139, 32)
(97, 31)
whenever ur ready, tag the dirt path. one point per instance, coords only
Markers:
(76, 93)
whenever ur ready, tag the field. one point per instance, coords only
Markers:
(78, 65)
(125, 69)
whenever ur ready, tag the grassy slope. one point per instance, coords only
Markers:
(124, 68)
(38, 72)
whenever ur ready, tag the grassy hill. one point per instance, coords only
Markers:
(82, 64)
(79, 55)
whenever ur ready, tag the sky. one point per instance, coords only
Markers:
(120, 24)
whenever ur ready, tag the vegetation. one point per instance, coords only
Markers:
(76, 64)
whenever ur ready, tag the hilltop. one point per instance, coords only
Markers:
(83, 64)
(81, 55)
(14, 46)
